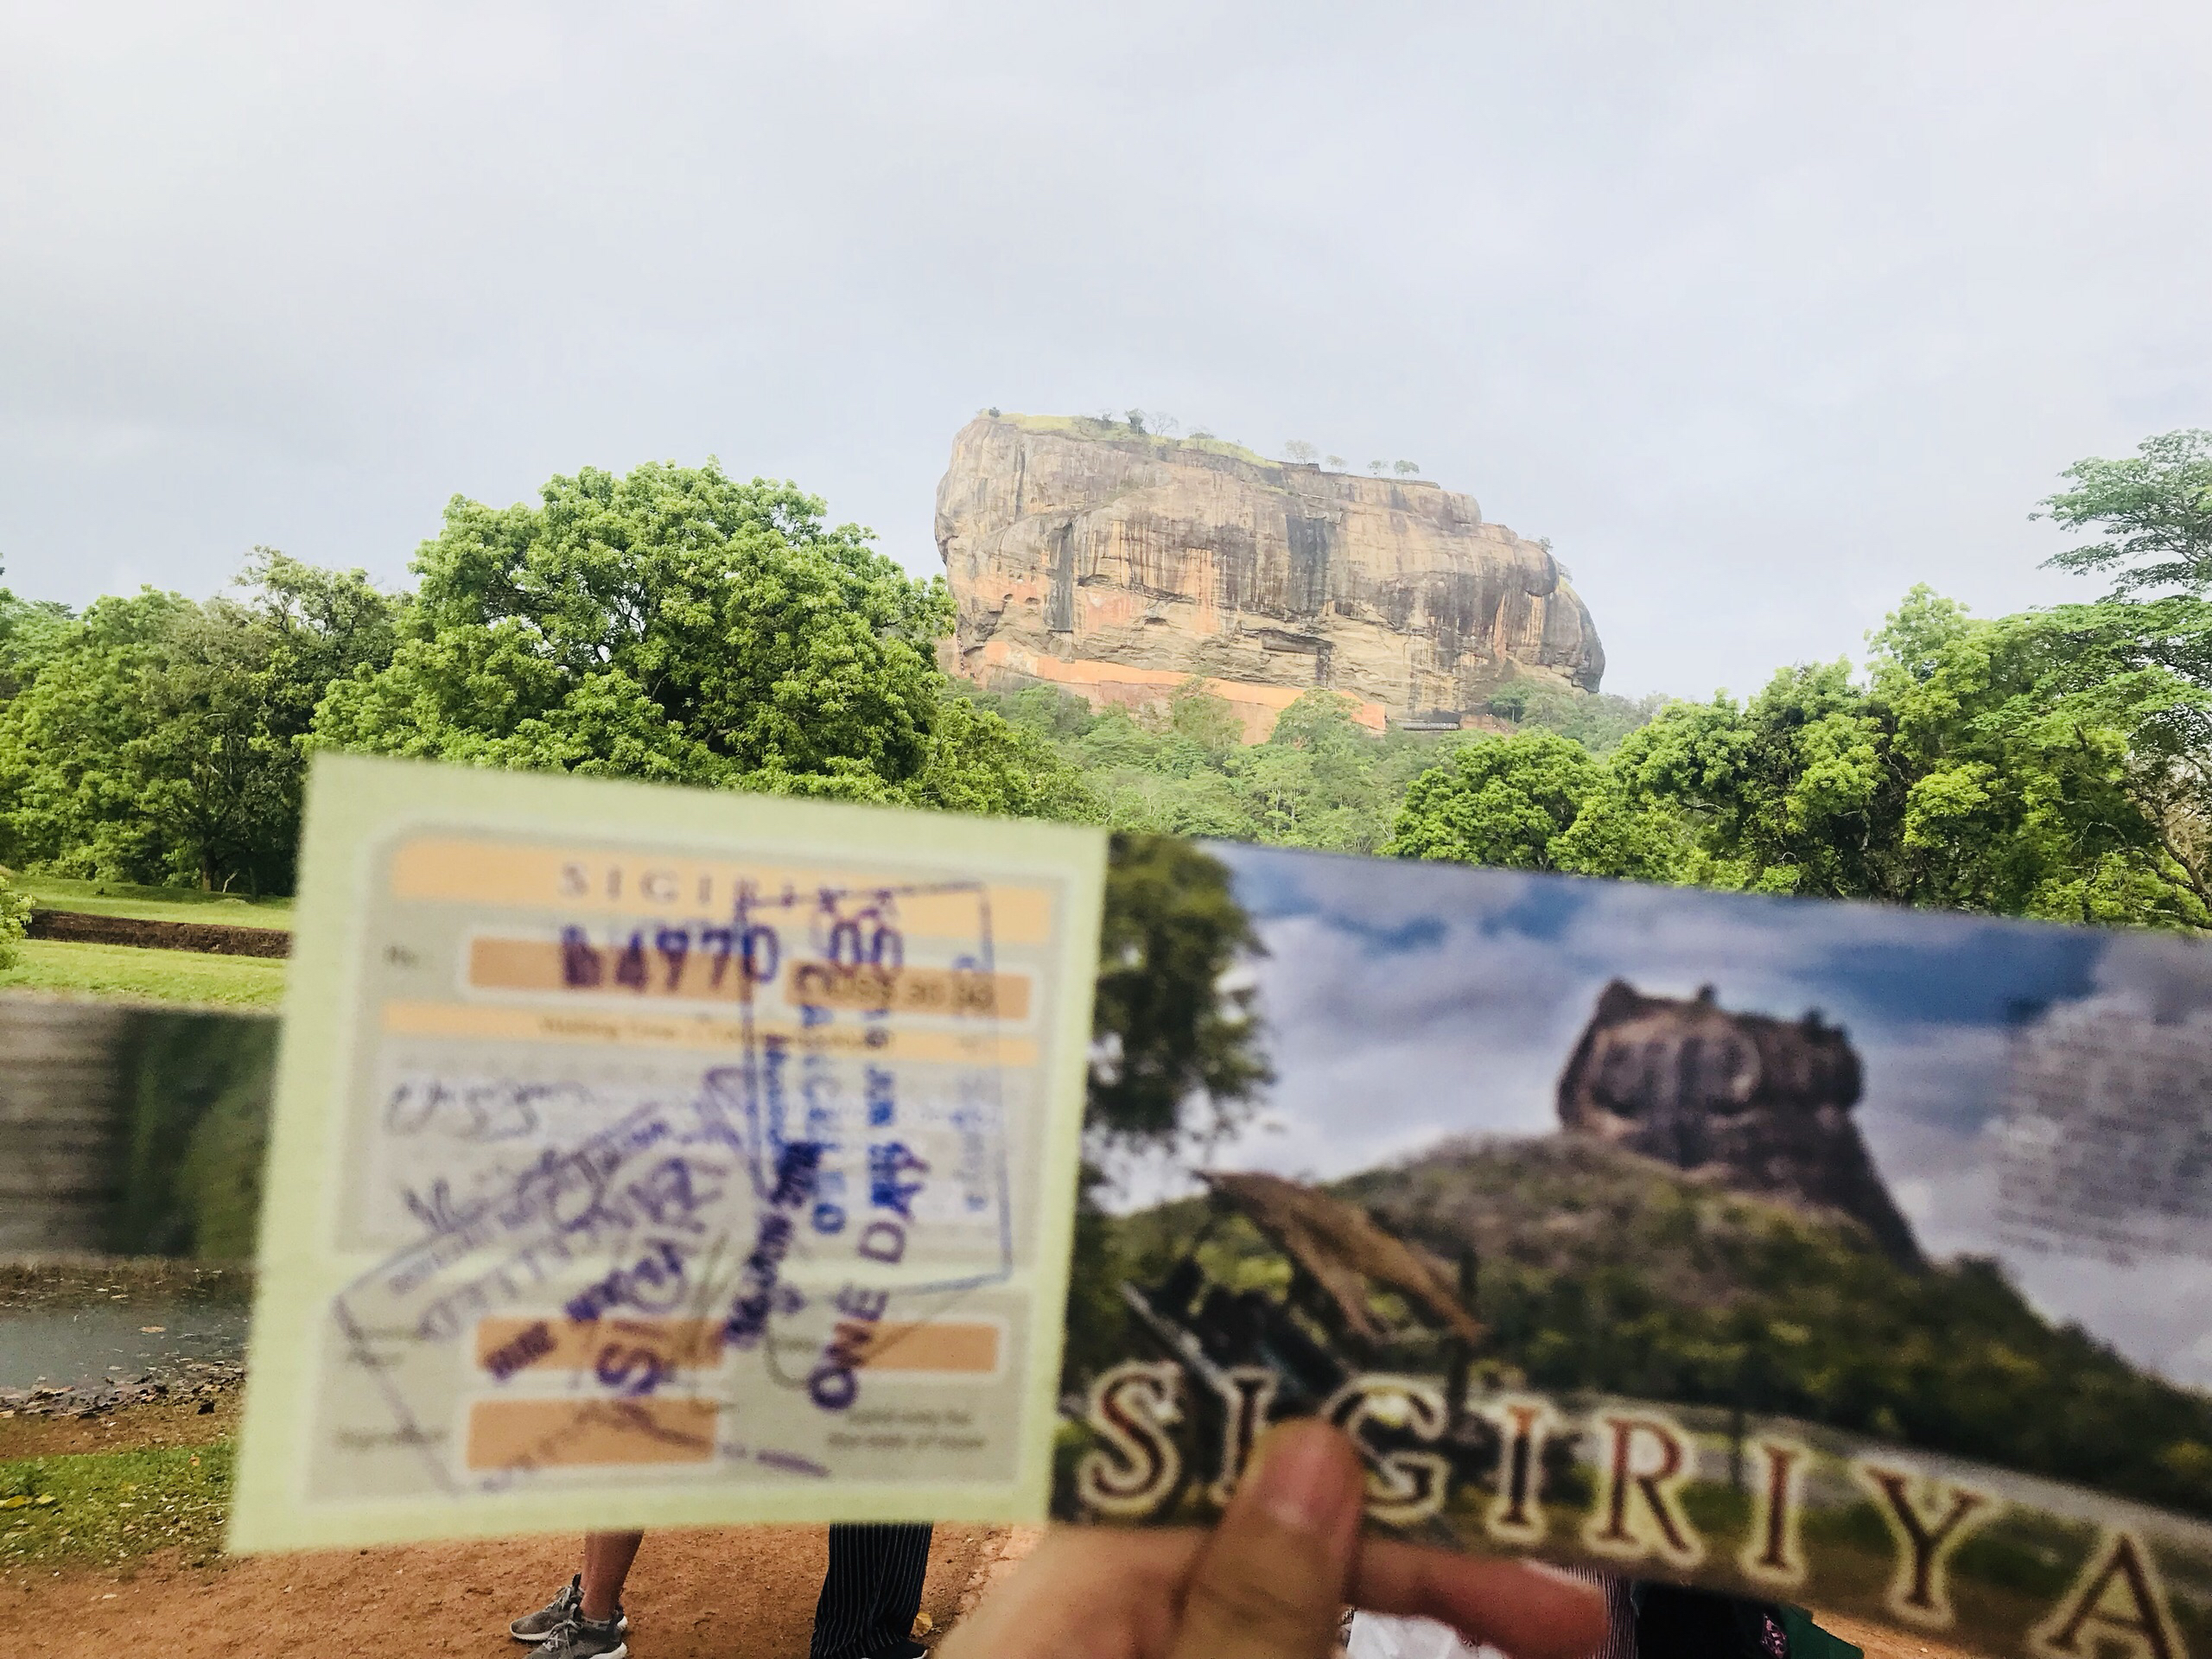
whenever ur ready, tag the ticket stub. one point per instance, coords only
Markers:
(646, 1156)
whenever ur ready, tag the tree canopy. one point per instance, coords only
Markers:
(678, 623)
(157, 740)
(2154, 507)
(673, 624)
(2046, 765)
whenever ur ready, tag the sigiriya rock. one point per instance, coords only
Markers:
(1118, 564)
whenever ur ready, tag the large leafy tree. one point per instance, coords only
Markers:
(1787, 792)
(2154, 509)
(979, 762)
(29, 629)
(2053, 767)
(1177, 1050)
(68, 796)
(1507, 802)
(227, 700)
(673, 623)
(2043, 765)
(157, 740)
(1537, 801)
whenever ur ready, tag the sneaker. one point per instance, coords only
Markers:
(535, 1627)
(580, 1638)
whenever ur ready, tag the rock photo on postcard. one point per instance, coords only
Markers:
(1841, 1255)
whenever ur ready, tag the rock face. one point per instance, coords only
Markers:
(1763, 1102)
(1120, 564)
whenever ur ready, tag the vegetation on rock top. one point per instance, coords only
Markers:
(1098, 426)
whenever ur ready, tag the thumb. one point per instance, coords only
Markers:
(1271, 1581)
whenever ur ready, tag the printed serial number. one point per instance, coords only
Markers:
(737, 964)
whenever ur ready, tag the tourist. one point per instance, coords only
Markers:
(869, 1597)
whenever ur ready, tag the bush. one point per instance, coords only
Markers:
(14, 918)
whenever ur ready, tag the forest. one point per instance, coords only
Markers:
(677, 624)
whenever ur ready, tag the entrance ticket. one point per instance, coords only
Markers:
(654, 1157)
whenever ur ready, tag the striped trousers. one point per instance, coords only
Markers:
(872, 1590)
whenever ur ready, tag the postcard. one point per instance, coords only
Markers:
(1832, 1256)
(645, 1156)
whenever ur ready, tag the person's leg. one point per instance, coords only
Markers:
(872, 1590)
(608, 1556)
(903, 1562)
(595, 1593)
(841, 1613)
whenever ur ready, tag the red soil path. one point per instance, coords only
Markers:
(731, 1593)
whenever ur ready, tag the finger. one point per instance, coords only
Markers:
(1270, 1582)
(1087, 1592)
(1525, 1608)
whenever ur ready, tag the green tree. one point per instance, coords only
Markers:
(1319, 721)
(158, 739)
(1791, 792)
(15, 917)
(674, 623)
(2155, 509)
(2056, 768)
(1506, 801)
(2044, 764)
(69, 795)
(1195, 713)
(1176, 1050)
(228, 698)
(28, 629)
(1320, 780)
(980, 763)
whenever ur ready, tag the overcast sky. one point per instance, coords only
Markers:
(1761, 313)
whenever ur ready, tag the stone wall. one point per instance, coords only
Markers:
(131, 1130)
(64, 1094)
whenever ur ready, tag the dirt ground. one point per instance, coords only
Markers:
(75, 927)
(154, 1423)
(723, 1593)
(730, 1593)
(736, 1593)
(739, 1594)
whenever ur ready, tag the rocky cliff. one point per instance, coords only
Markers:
(1119, 565)
(1763, 1104)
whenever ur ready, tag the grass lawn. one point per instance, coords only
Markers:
(129, 972)
(152, 904)
(108, 1507)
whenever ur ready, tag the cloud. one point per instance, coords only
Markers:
(1389, 1037)
(1760, 314)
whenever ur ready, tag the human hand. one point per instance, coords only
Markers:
(1270, 1581)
